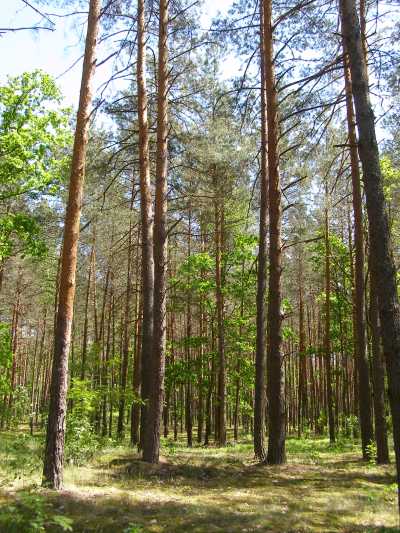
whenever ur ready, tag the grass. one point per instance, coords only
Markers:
(321, 489)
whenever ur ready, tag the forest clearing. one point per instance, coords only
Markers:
(199, 489)
(199, 266)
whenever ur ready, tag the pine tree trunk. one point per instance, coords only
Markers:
(126, 331)
(14, 341)
(146, 210)
(211, 380)
(200, 410)
(135, 410)
(189, 392)
(86, 319)
(54, 454)
(303, 393)
(275, 368)
(327, 335)
(378, 372)
(383, 269)
(151, 447)
(364, 390)
(221, 385)
(107, 349)
(261, 347)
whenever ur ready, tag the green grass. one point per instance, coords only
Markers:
(321, 489)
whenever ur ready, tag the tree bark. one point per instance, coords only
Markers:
(378, 373)
(146, 210)
(303, 396)
(189, 391)
(126, 331)
(327, 334)
(364, 390)
(86, 319)
(221, 385)
(151, 448)
(383, 269)
(261, 345)
(136, 385)
(54, 454)
(275, 368)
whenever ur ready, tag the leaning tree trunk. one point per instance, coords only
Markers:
(275, 375)
(54, 454)
(261, 347)
(364, 389)
(147, 267)
(151, 445)
(383, 269)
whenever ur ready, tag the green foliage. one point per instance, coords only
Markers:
(83, 397)
(26, 229)
(340, 296)
(31, 130)
(349, 426)
(34, 137)
(5, 358)
(288, 333)
(391, 184)
(391, 177)
(134, 528)
(20, 406)
(21, 455)
(372, 452)
(31, 513)
(81, 441)
(195, 277)
(12, 417)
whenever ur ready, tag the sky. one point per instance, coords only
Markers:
(55, 51)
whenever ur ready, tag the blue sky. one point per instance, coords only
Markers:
(54, 52)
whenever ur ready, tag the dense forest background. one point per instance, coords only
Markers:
(207, 252)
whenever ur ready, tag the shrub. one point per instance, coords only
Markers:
(32, 514)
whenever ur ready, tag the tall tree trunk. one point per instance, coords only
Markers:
(189, 392)
(364, 389)
(146, 210)
(220, 429)
(151, 448)
(126, 331)
(378, 373)
(135, 409)
(106, 355)
(327, 334)
(211, 380)
(54, 454)
(86, 319)
(200, 410)
(261, 348)
(275, 368)
(383, 269)
(14, 340)
(303, 393)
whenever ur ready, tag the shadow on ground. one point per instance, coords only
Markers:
(206, 491)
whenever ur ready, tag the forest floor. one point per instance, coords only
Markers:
(321, 489)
